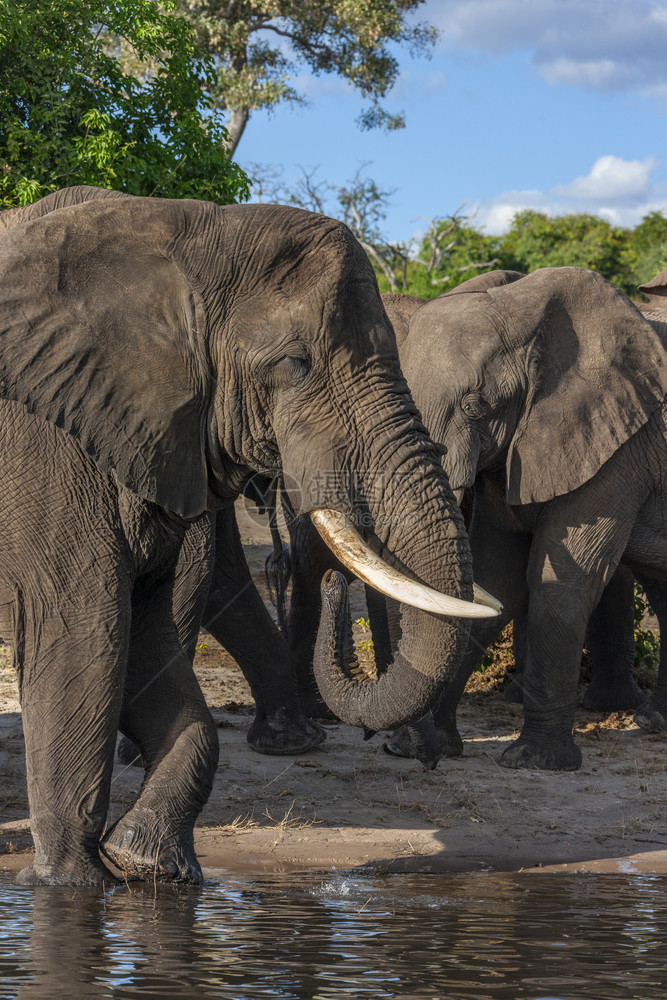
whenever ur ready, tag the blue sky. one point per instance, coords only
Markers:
(557, 105)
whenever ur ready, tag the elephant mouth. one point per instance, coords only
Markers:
(349, 547)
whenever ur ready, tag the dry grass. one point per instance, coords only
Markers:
(248, 822)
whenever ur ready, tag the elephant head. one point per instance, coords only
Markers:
(187, 346)
(557, 363)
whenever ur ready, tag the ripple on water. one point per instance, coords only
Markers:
(484, 936)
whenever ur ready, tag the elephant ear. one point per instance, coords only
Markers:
(101, 334)
(596, 372)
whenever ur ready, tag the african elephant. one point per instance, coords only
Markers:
(155, 354)
(548, 395)
(610, 630)
(234, 612)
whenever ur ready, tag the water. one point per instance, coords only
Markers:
(484, 936)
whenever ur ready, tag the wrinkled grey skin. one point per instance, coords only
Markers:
(234, 612)
(610, 640)
(552, 388)
(153, 356)
(310, 559)
(609, 636)
(561, 337)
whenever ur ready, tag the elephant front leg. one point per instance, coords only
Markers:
(566, 576)
(71, 664)
(165, 714)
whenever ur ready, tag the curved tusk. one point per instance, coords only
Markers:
(481, 596)
(348, 546)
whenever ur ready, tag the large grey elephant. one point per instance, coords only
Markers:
(153, 355)
(548, 396)
(609, 633)
(234, 612)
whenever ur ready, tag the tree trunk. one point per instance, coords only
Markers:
(238, 119)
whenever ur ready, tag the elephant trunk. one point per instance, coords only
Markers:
(422, 538)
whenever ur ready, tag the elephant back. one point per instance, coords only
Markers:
(74, 195)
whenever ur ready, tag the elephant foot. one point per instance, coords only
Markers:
(514, 692)
(649, 717)
(558, 755)
(406, 743)
(140, 849)
(280, 734)
(129, 753)
(563, 756)
(88, 872)
(622, 696)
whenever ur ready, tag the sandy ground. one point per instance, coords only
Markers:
(348, 804)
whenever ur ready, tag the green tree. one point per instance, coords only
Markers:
(362, 206)
(71, 114)
(451, 251)
(577, 240)
(258, 45)
(647, 254)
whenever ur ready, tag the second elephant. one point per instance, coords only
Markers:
(547, 393)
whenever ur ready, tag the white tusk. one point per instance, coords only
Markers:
(481, 596)
(347, 545)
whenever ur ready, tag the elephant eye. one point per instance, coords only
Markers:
(290, 371)
(474, 406)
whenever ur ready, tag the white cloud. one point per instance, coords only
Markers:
(600, 45)
(611, 179)
(600, 74)
(620, 191)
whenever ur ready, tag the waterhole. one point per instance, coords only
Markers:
(486, 935)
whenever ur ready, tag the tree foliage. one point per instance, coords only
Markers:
(451, 248)
(258, 46)
(577, 240)
(70, 113)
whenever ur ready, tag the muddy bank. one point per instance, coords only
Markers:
(348, 804)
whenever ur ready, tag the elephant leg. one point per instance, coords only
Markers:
(64, 571)
(165, 714)
(652, 714)
(237, 617)
(569, 561)
(191, 588)
(71, 667)
(611, 642)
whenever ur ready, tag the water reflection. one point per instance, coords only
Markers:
(484, 936)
